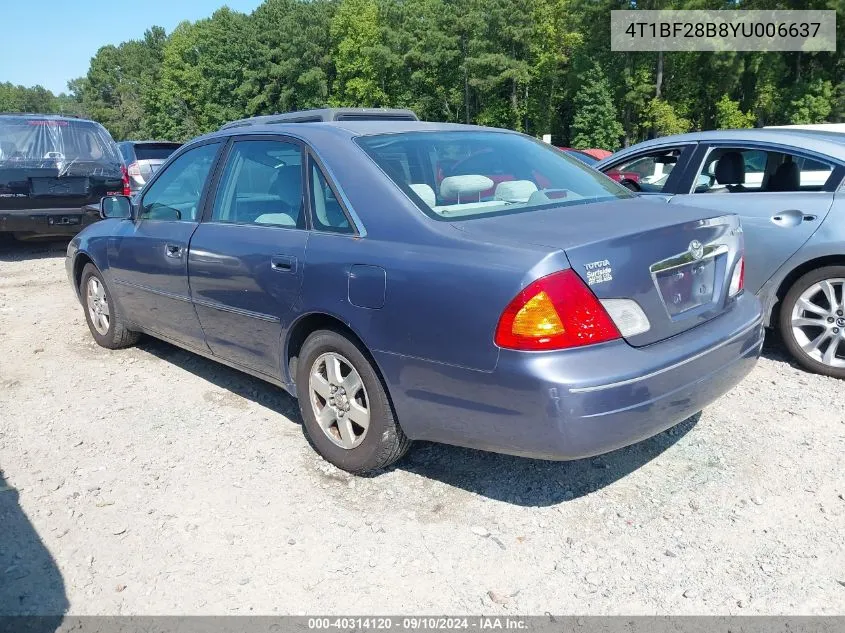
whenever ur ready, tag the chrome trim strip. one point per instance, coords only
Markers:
(239, 311)
(163, 293)
(757, 323)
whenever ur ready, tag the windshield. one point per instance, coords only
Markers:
(471, 174)
(157, 151)
(30, 140)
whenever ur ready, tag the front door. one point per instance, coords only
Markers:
(148, 259)
(246, 261)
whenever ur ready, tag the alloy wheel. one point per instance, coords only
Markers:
(818, 322)
(98, 305)
(339, 400)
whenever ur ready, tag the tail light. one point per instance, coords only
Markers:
(127, 190)
(554, 312)
(738, 278)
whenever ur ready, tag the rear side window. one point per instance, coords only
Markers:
(261, 184)
(747, 170)
(160, 151)
(328, 214)
(27, 141)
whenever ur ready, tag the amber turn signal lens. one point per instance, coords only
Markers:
(537, 318)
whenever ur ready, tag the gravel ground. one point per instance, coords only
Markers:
(153, 481)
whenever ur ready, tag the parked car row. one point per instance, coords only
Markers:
(409, 280)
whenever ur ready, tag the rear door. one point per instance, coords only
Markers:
(148, 258)
(246, 260)
(55, 164)
(779, 210)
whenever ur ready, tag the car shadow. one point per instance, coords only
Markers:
(516, 480)
(12, 250)
(775, 349)
(30, 582)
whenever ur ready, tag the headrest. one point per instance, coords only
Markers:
(425, 193)
(282, 219)
(787, 177)
(515, 190)
(469, 185)
(730, 169)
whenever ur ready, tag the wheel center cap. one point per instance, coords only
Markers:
(840, 322)
(341, 400)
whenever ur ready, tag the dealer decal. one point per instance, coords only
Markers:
(599, 272)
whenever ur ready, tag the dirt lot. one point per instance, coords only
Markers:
(150, 480)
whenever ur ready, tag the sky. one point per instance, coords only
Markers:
(49, 42)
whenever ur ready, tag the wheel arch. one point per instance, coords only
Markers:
(773, 312)
(80, 261)
(304, 326)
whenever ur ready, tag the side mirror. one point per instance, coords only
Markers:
(116, 207)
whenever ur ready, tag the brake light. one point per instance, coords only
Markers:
(554, 312)
(127, 190)
(738, 278)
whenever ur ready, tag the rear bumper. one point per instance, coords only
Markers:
(577, 403)
(59, 222)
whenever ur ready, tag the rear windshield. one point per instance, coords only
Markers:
(31, 140)
(157, 151)
(471, 174)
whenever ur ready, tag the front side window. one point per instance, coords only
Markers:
(176, 193)
(748, 170)
(646, 172)
(470, 174)
(261, 184)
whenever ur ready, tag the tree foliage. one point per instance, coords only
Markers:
(539, 66)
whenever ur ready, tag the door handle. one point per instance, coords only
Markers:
(173, 250)
(792, 217)
(283, 263)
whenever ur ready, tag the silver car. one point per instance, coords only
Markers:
(143, 158)
(787, 186)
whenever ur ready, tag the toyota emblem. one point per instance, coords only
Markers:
(696, 249)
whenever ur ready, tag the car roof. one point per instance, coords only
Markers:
(325, 114)
(35, 115)
(150, 142)
(349, 129)
(830, 143)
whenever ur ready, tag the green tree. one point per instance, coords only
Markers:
(595, 123)
(813, 103)
(730, 117)
(356, 33)
(664, 120)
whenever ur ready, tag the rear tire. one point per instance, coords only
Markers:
(101, 312)
(347, 415)
(818, 296)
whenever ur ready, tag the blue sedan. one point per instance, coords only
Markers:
(410, 280)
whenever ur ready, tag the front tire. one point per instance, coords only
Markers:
(102, 314)
(812, 321)
(347, 415)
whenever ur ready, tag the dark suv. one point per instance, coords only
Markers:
(50, 168)
(143, 158)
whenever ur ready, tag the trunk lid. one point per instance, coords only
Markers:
(675, 265)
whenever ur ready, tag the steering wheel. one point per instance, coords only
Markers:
(633, 185)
